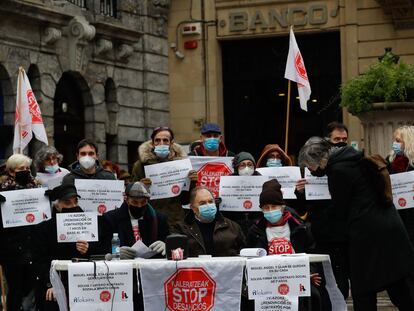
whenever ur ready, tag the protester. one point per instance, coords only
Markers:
(208, 231)
(16, 255)
(273, 156)
(162, 148)
(125, 176)
(374, 232)
(280, 230)
(47, 162)
(137, 220)
(337, 134)
(400, 160)
(112, 167)
(212, 143)
(87, 165)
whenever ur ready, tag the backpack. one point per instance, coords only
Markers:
(375, 167)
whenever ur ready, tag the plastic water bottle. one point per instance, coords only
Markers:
(115, 246)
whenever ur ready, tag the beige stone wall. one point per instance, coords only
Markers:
(365, 31)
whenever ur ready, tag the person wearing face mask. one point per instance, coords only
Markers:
(47, 162)
(162, 148)
(211, 142)
(87, 165)
(375, 233)
(273, 156)
(16, 253)
(208, 231)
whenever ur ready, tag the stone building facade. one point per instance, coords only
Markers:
(99, 69)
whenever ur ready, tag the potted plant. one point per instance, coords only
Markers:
(383, 99)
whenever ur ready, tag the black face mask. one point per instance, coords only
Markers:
(137, 211)
(318, 172)
(340, 144)
(23, 177)
(75, 209)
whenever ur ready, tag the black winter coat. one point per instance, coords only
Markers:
(379, 249)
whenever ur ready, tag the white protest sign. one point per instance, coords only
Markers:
(316, 187)
(287, 176)
(210, 169)
(99, 195)
(168, 178)
(241, 193)
(25, 207)
(277, 303)
(72, 227)
(403, 189)
(278, 275)
(89, 291)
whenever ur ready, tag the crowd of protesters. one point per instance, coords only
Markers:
(370, 245)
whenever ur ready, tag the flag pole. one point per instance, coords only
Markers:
(287, 118)
(19, 100)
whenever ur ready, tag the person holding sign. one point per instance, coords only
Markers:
(273, 156)
(87, 165)
(208, 231)
(49, 173)
(380, 254)
(16, 256)
(162, 148)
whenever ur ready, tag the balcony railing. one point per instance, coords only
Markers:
(109, 7)
(79, 3)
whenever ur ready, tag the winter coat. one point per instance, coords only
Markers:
(153, 227)
(172, 207)
(286, 161)
(200, 151)
(228, 238)
(379, 249)
(77, 173)
(300, 234)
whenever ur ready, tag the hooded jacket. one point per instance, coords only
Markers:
(172, 207)
(77, 173)
(286, 161)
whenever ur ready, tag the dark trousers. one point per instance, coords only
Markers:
(399, 293)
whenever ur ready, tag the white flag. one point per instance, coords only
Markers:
(28, 116)
(296, 71)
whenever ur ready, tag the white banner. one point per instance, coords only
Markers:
(192, 284)
(210, 169)
(25, 207)
(99, 195)
(241, 193)
(278, 275)
(168, 178)
(316, 187)
(110, 284)
(72, 227)
(277, 303)
(403, 189)
(287, 176)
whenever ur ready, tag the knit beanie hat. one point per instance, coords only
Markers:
(271, 193)
(241, 157)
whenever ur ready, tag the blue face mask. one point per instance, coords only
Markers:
(212, 144)
(208, 211)
(162, 151)
(273, 216)
(274, 163)
(397, 148)
(51, 169)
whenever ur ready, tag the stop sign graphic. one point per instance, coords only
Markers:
(209, 176)
(189, 289)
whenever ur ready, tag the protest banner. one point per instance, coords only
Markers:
(316, 187)
(210, 169)
(25, 207)
(168, 178)
(98, 195)
(241, 193)
(403, 189)
(276, 303)
(278, 275)
(195, 284)
(287, 176)
(99, 285)
(72, 227)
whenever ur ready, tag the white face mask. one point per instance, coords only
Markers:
(247, 171)
(87, 162)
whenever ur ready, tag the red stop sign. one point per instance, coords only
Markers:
(189, 289)
(209, 176)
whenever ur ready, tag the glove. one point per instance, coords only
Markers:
(2, 199)
(126, 252)
(192, 175)
(159, 247)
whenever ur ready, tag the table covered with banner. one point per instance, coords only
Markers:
(195, 284)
